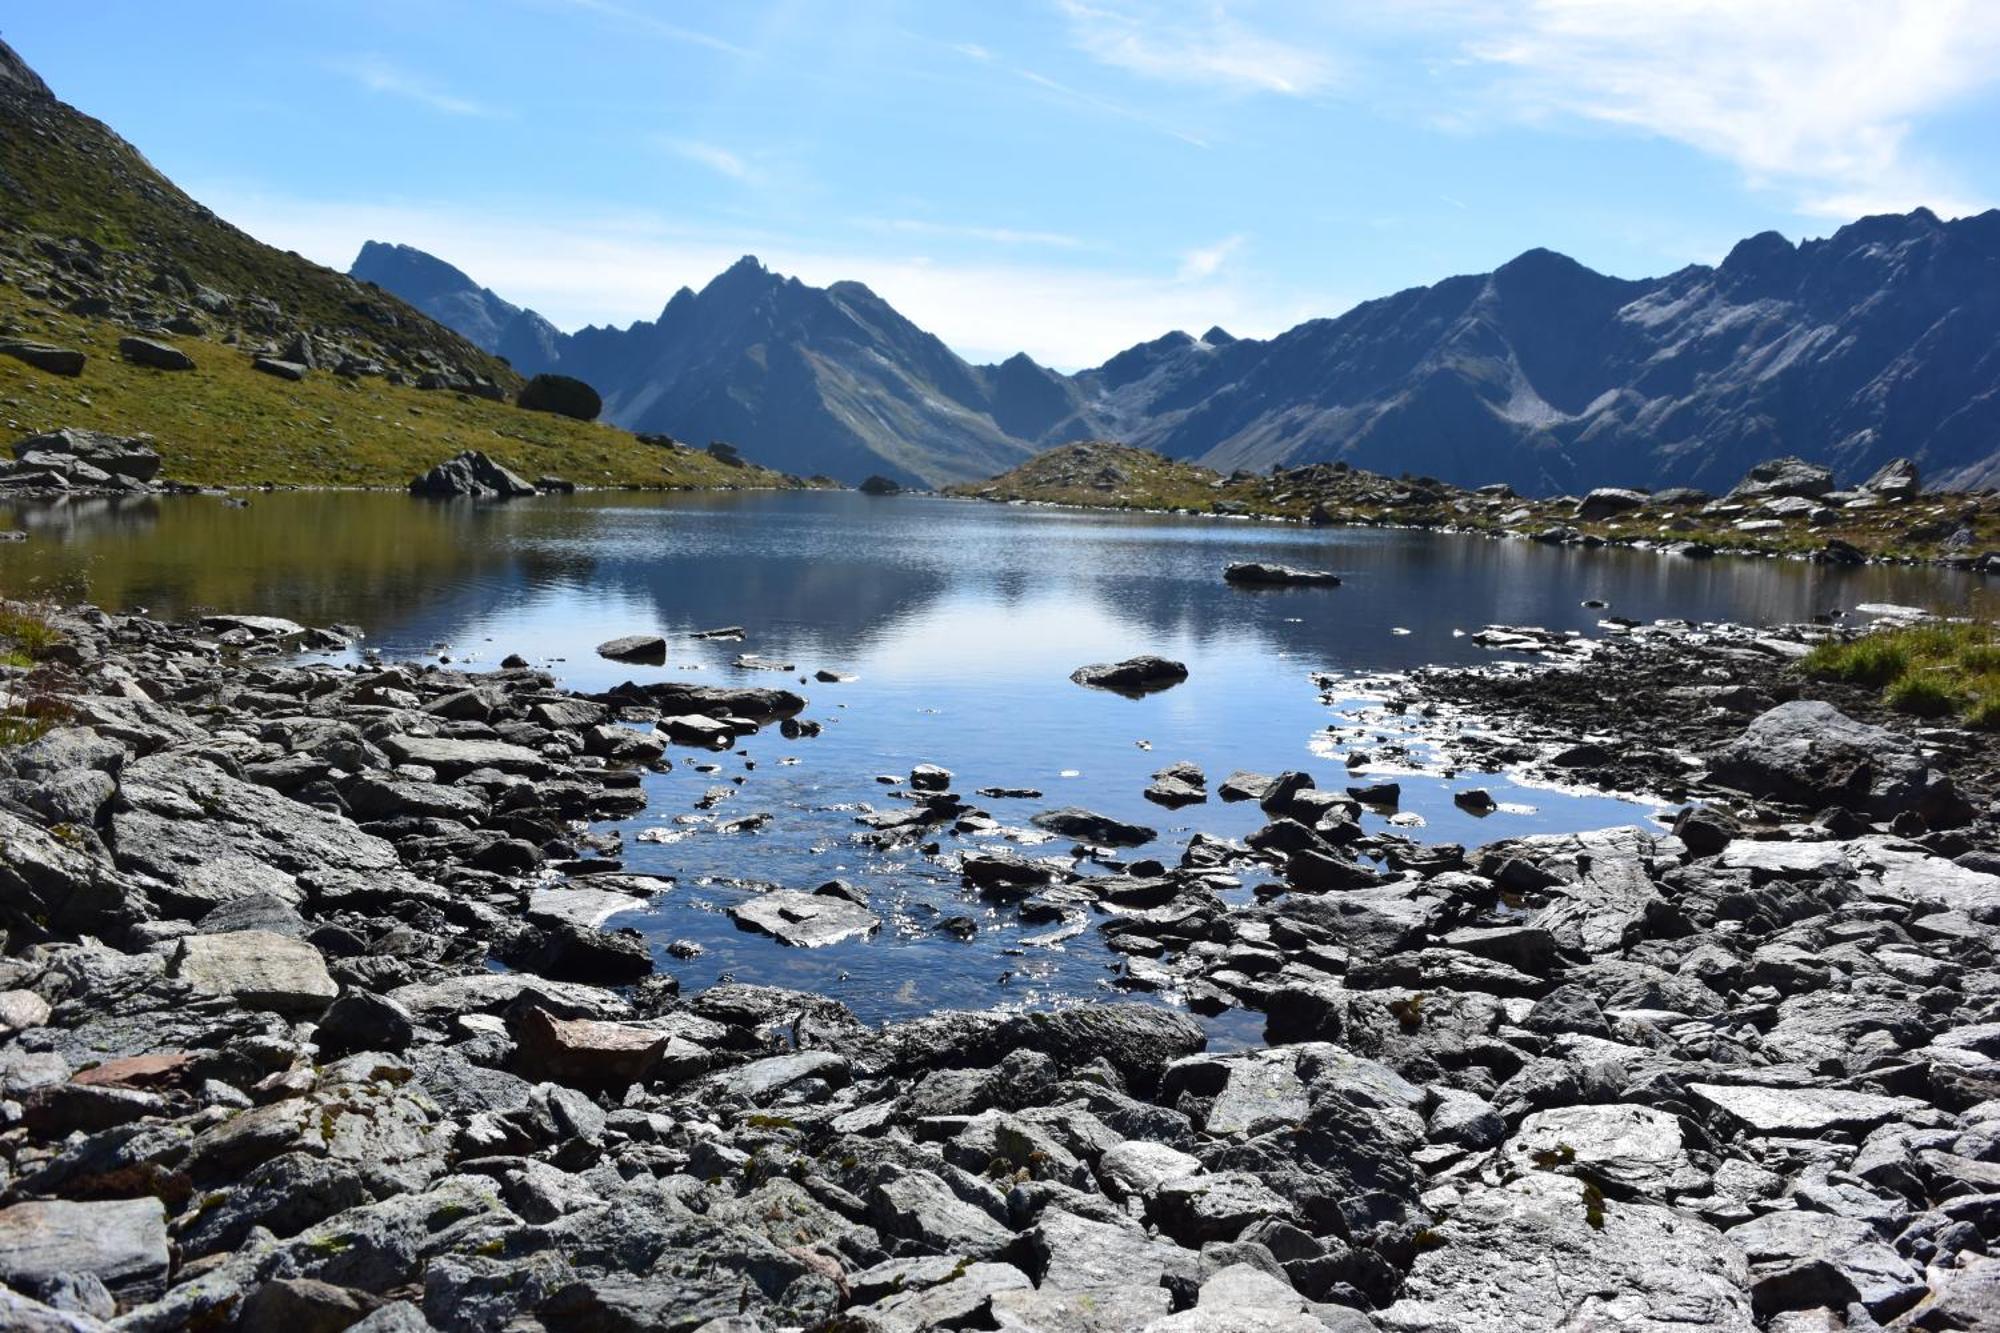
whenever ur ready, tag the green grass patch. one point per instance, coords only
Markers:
(25, 636)
(1924, 670)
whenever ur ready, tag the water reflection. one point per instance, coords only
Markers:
(960, 624)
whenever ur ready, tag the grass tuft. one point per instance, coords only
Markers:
(1933, 670)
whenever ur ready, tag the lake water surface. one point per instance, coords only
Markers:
(958, 623)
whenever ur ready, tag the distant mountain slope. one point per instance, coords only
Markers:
(1880, 341)
(437, 289)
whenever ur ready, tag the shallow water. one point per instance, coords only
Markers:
(959, 624)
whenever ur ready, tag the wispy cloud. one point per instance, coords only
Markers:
(972, 51)
(1106, 105)
(715, 157)
(1201, 43)
(658, 27)
(379, 75)
(960, 231)
(1203, 263)
(1817, 98)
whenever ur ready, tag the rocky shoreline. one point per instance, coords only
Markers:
(308, 1020)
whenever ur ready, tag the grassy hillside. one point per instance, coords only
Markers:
(224, 423)
(96, 244)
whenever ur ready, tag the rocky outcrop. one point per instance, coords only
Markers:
(470, 475)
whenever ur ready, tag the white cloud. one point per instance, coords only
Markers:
(716, 158)
(658, 27)
(378, 75)
(972, 51)
(1197, 42)
(615, 269)
(1201, 264)
(1818, 98)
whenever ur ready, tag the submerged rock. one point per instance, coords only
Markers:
(1134, 676)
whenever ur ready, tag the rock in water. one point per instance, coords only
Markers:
(805, 920)
(158, 355)
(1259, 574)
(647, 648)
(1073, 822)
(471, 474)
(881, 485)
(1134, 676)
(562, 395)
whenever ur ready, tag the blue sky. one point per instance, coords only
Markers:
(1064, 177)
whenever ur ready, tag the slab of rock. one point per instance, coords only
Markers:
(1260, 574)
(1783, 476)
(156, 355)
(120, 1242)
(1133, 677)
(454, 758)
(648, 648)
(1087, 826)
(920, 1210)
(261, 969)
(1805, 1111)
(44, 356)
(586, 907)
(1539, 1254)
(1177, 785)
(284, 370)
(1896, 479)
(587, 1053)
(805, 920)
(1635, 1149)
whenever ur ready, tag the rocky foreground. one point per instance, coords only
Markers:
(310, 1023)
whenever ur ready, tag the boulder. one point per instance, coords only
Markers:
(805, 920)
(650, 649)
(1607, 501)
(121, 455)
(156, 355)
(1810, 754)
(261, 969)
(588, 1053)
(44, 356)
(1134, 676)
(122, 1243)
(1895, 480)
(471, 475)
(1074, 822)
(1783, 476)
(1177, 785)
(1262, 574)
(284, 370)
(562, 395)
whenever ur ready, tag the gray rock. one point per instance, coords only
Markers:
(155, 355)
(131, 456)
(470, 475)
(647, 648)
(1134, 676)
(805, 920)
(260, 969)
(44, 356)
(122, 1243)
(1073, 1253)
(1539, 1254)
(1074, 822)
(1804, 1111)
(1809, 753)
(1253, 573)
(1633, 1150)
(454, 758)
(920, 1209)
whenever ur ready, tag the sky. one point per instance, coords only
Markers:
(1061, 177)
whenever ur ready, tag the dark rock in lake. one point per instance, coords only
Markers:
(1134, 676)
(647, 648)
(1259, 574)
(1073, 822)
(1177, 785)
(156, 355)
(563, 395)
(880, 485)
(470, 475)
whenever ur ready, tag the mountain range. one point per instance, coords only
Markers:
(1882, 340)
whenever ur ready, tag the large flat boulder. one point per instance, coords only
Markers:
(805, 920)
(260, 968)
(1809, 753)
(120, 1242)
